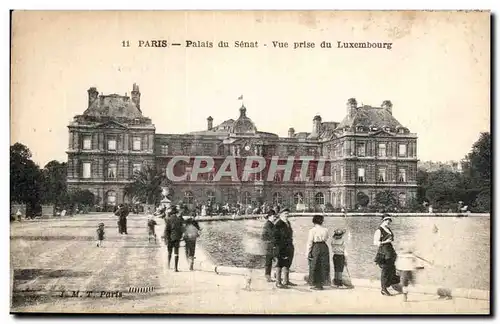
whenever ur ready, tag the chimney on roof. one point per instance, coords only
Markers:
(387, 105)
(291, 132)
(93, 94)
(352, 106)
(136, 96)
(210, 122)
(316, 126)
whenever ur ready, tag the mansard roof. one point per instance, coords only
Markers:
(368, 116)
(113, 105)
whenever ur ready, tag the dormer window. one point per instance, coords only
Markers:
(402, 131)
(387, 129)
(360, 129)
(373, 128)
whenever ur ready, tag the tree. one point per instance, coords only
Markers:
(25, 178)
(445, 189)
(386, 199)
(54, 183)
(362, 199)
(83, 197)
(146, 185)
(423, 184)
(477, 171)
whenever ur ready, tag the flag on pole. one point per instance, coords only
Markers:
(240, 97)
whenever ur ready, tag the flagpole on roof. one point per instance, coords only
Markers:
(241, 98)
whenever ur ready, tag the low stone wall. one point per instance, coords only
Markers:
(254, 216)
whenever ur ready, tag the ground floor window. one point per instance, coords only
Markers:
(111, 198)
(277, 198)
(319, 198)
(211, 196)
(247, 198)
(188, 197)
(298, 198)
(402, 199)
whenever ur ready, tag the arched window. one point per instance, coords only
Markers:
(402, 199)
(298, 198)
(277, 198)
(111, 198)
(188, 197)
(319, 198)
(247, 198)
(211, 196)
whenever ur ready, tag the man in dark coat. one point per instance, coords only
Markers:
(284, 249)
(268, 239)
(173, 236)
(122, 213)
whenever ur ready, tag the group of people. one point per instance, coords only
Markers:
(177, 229)
(278, 248)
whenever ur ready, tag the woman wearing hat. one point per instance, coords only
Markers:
(339, 254)
(318, 254)
(386, 255)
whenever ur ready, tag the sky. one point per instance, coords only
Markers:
(437, 73)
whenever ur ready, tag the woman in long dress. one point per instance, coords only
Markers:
(386, 256)
(254, 248)
(318, 254)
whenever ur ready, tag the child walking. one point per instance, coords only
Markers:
(339, 257)
(406, 264)
(151, 229)
(100, 234)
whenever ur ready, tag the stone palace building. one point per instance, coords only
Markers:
(367, 152)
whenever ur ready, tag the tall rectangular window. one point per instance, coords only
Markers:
(136, 167)
(402, 149)
(361, 175)
(381, 175)
(112, 144)
(86, 170)
(402, 175)
(136, 144)
(341, 174)
(360, 149)
(381, 150)
(87, 142)
(334, 176)
(112, 170)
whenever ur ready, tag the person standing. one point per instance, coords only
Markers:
(284, 249)
(267, 238)
(118, 212)
(173, 236)
(100, 234)
(191, 233)
(339, 257)
(318, 254)
(151, 229)
(386, 256)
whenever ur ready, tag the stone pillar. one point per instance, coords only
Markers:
(126, 168)
(71, 135)
(126, 143)
(95, 141)
(76, 141)
(101, 141)
(151, 142)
